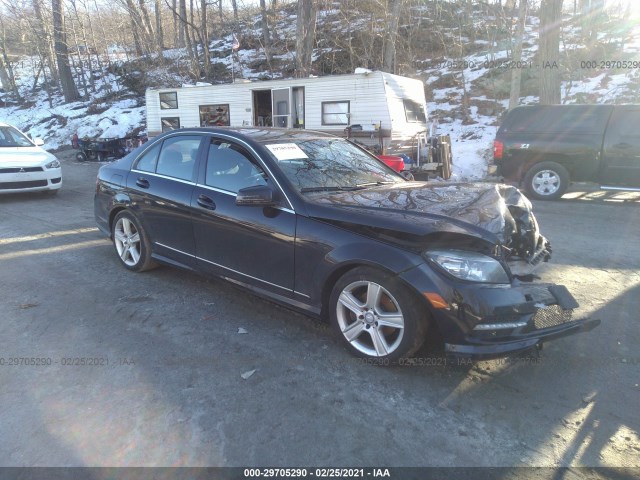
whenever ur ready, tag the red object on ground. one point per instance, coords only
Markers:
(396, 163)
(74, 140)
(498, 150)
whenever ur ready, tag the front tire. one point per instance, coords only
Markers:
(376, 316)
(546, 181)
(131, 243)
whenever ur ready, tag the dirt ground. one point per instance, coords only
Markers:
(123, 369)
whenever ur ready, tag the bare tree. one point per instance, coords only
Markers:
(159, 29)
(549, 50)
(6, 70)
(516, 73)
(191, 31)
(266, 35)
(234, 5)
(69, 89)
(204, 38)
(590, 14)
(182, 22)
(393, 18)
(44, 39)
(305, 36)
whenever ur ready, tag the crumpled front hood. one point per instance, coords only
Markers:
(492, 212)
(24, 157)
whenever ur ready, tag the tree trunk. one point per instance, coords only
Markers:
(590, 13)
(182, 26)
(45, 40)
(266, 36)
(174, 9)
(516, 73)
(6, 75)
(69, 89)
(6, 70)
(159, 29)
(234, 5)
(146, 19)
(549, 50)
(305, 36)
(204, 35)
(393, 18)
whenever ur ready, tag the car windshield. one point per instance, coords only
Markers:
(10, 137)
(327, 164)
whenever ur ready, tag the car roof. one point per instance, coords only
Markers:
(263, 134)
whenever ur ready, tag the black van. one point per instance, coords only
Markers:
(545, 147)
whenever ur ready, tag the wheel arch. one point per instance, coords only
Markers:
(339, 272)
(113, 214)
(343, 269)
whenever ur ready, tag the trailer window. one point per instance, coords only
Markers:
(168, 100)
(214, 115)
(414, 111)
(336, 113)
(170, 123)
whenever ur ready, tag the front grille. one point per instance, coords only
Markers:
(551, 316)
(21, 170)
(31, 184)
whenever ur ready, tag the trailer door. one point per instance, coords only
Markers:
(281, 107)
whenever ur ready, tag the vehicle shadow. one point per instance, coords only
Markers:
(575, 405)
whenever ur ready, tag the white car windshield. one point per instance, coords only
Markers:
(327, 164)
(10, 137)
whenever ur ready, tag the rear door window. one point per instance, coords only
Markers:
(178, 156)
(147, 162)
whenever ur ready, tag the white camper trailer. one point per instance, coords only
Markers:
(375, 108)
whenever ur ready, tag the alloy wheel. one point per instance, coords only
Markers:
(127, 241)
(546, 182)
(370, 318)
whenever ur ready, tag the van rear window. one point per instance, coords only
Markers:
(583, 119)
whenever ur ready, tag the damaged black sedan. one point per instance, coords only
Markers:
(314, 222)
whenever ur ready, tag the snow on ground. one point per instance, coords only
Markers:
(472, 140)
(471, 147)
(118, 121)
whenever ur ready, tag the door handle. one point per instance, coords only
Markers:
(142, 182)
(206, 202)
(622, 145)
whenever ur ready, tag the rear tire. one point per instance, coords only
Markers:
(546, 181)
(81, 157)
(131, 243)
(376, 316)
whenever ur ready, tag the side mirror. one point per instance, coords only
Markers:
(38, 142)
(256, 196)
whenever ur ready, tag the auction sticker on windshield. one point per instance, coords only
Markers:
(286, 151)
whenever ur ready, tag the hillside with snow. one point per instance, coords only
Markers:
(466, 95)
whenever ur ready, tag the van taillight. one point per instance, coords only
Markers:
(498, 150)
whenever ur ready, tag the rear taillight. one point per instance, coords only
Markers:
(498, 149)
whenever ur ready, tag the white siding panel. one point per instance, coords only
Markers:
(375, 98)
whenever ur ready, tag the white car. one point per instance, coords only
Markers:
(24, 166)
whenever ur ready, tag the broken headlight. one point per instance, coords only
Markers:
(469, 266)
